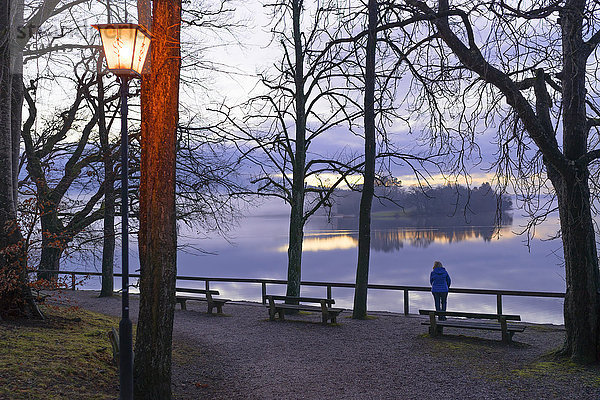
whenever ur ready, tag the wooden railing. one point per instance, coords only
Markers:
(330, 285)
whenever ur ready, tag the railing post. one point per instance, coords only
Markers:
(406, 302)
(206, 285)
(72, 281)
(499, 303)
(329, 292)
(264, 292)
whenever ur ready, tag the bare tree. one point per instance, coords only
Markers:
(304, 99)
(20, 21)
(530, 70)
(15, 295)
(368, 189)
(375, 72)
(62, 217)
(52, 41)
(108, 246)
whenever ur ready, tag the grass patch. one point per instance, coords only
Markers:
(451, 346)
(67, 356)
(546, 328)
(560, 369)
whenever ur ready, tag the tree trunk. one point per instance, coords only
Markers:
(295, 244)
(16, 121)
(157, 240)
(15, 294)
(16, 109)
(368, 190)
(7, 204)
(581, 307)
(50, 260)
(582, 300)
(108, 245)
(297, 206)
(145, 19)
(567, 168)
(53, 243)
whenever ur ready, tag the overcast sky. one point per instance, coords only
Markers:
(250, 51)
(257, 53)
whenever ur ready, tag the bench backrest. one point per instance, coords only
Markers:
(197, 291)
(300, 299)
(508, 317)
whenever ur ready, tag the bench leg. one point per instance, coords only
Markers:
(505, 336)
(434, 330)
(282, 314)
(219, 308)
(437, 331)
(182, 302)
(324, 319)
(272, 310)
(210, 307)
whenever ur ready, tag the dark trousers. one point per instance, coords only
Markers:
(440, 299)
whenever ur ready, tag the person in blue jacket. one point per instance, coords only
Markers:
(440, 283)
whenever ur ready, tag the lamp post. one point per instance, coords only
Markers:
(125, 48)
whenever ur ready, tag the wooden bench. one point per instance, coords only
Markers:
(436, 327)
(208, 297)
(294, 303)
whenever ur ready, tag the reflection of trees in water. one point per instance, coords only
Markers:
(392, 234)
(393, 240)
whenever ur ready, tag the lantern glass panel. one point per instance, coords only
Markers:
(142, 45)
(125, 47)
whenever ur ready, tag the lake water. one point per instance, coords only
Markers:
(403, 250)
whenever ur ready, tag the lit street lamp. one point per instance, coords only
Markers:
(125, 48)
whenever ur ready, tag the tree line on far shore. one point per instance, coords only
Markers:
(443, 201)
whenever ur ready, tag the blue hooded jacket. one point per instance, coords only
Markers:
(440, 280)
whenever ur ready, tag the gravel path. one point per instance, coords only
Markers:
(242, 355)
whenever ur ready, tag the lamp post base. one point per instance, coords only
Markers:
(125, 359)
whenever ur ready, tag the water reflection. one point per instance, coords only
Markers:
(389, 241)
(325, 242)
(403, 252)
(393, 234)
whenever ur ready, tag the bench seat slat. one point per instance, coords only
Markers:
(477, 325)
(509, 317)
(301, 307)
(301, 299)
(198, 291)
(201, 299)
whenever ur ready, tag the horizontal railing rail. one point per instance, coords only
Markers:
(330, 285)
